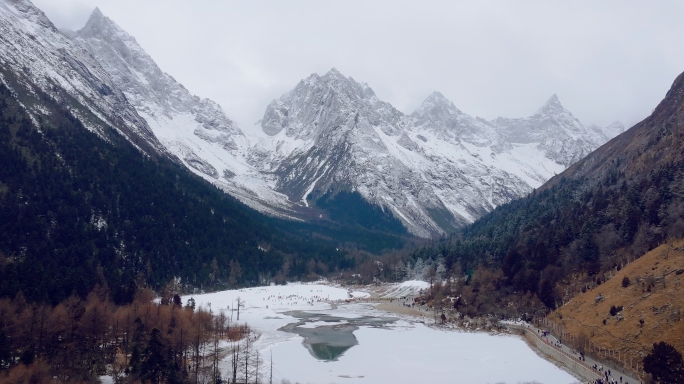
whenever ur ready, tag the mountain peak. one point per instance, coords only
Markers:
(436, 101)
(440, 113)
(553, 101)
(336, 81)
(98, 24)
(334, 72)
(96, 13)
(437, 97)
(613, 129)
(333, 75)
(551, 105)
(96, 17)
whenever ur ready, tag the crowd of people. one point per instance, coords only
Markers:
(295, 299)
(607, 376)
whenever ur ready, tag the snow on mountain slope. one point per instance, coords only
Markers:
(195, 130)
(612, 130)
(37, 56)
(340, 130)
(441, 117)
(435, 169)
(556, 131)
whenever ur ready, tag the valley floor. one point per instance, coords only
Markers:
(340, 336)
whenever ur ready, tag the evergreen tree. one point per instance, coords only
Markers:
(665, 364)
(5, 350)
(153, 366)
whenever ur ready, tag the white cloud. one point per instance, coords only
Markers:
(609, 60)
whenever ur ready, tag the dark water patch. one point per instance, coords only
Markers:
(329, 342)
(326, 342)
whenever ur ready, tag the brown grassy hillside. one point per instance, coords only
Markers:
(652, 305)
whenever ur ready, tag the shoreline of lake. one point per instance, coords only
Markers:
(405, 351)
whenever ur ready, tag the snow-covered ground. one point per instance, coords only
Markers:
(407, 288)
(264, 306)
(404, 351)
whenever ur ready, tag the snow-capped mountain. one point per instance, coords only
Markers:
(611, 130)
(330, 134)
(35, 55)
(556, 132)
(441, 117)
(433, 170)
(195, 130)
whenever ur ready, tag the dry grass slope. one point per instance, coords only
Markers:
(652, 306)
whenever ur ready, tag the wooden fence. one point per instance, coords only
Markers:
(608, 357)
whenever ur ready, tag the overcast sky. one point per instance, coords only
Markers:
(606, 60)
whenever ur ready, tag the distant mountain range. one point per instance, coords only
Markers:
(113, 175)
(327, 144)
(435, 170)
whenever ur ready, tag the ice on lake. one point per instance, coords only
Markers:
(313, 341)
(328, 337)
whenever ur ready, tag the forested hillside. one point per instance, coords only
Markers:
(76, 210)
(618, 203)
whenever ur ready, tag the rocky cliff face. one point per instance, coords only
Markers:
(433, 170)
(36, 55)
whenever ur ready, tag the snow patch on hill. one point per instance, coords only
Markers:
(407, 288)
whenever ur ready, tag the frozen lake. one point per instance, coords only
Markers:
(313, 341)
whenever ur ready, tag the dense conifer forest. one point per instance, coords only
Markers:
(76, 209)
